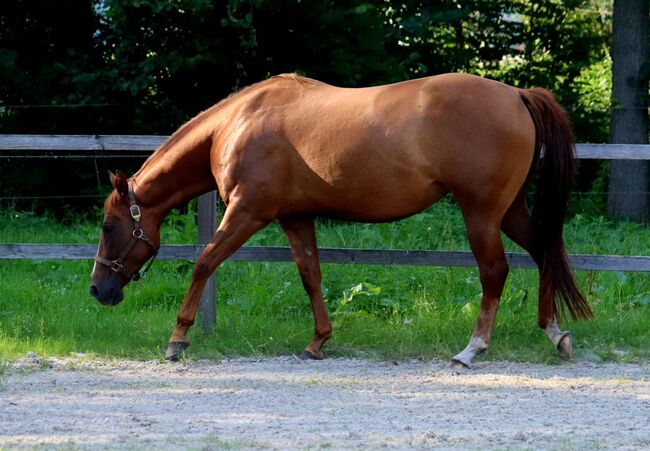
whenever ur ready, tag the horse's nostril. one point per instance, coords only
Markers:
(94, 291)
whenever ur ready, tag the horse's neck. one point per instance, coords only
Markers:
(179, 170)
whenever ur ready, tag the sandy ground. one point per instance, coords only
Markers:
(284, 403)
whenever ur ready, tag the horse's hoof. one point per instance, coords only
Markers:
(564, 346)
(175, 349)
(459, 365)
(309, 355)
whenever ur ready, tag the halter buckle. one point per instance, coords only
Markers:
(136, 214)
(116, 266)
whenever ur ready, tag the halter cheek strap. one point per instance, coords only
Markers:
(117, 265)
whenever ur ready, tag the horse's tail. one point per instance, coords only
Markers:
(555, 176)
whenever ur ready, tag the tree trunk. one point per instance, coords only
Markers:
(628, 180)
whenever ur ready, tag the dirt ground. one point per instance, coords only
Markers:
(284, 403)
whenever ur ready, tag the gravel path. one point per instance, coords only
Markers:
(284, 403)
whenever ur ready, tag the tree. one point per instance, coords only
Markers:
(628, 180)
(41, 56)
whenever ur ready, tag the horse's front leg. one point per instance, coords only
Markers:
(485, 241)
(237, 226)
(301, 234)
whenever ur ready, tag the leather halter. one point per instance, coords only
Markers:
(117, 265)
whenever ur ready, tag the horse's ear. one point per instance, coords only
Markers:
(120, 183)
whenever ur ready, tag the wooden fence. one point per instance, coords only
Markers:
(115, 145)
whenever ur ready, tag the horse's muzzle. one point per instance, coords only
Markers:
(111, 296)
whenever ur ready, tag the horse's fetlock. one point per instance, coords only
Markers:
(179, 337)
(327, 333)
(324, 332)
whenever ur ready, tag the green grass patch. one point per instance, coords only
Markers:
(388, 312)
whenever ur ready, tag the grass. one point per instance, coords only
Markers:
(388, 312)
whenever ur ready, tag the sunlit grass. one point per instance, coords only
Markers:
(397, 312)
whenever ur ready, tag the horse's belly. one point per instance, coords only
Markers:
(381, 201)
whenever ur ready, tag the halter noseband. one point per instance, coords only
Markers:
(117, 265)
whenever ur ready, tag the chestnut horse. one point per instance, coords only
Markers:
(291, 149)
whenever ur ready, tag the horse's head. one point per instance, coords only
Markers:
(129, 237)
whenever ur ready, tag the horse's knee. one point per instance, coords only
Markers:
(501, 269)
(494, 275)
(203, 269)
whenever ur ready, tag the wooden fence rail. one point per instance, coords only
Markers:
(327, 255)
(114, 144)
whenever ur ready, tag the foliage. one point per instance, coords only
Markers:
(46, 62)
(593, 87)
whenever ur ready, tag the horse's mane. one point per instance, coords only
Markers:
(203, 115)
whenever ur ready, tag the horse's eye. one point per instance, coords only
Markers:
(107, 228)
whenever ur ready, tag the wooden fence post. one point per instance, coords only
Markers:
(207, 210)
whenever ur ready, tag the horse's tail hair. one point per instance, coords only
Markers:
(558, 290)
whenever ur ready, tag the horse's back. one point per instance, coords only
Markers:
(383, 152)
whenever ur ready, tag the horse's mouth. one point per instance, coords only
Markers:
(109, 297)
(110, 303)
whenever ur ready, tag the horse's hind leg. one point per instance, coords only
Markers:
(301, 234)
(483, 231)
(518, 226)
(237, 225)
